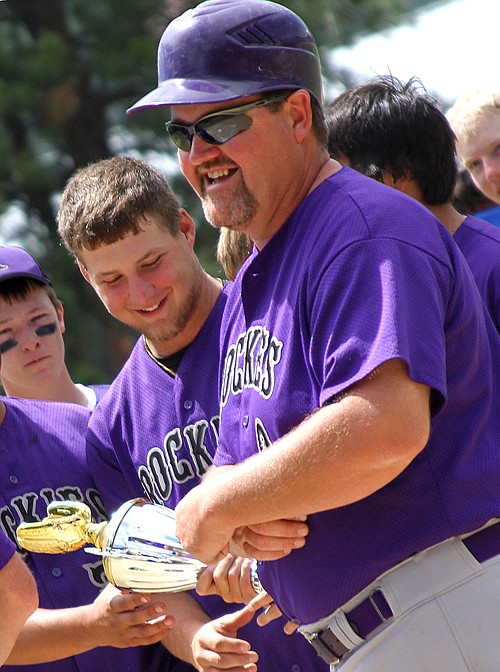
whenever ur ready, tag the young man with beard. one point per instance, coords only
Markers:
(156, 431)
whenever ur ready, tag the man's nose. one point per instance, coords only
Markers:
(140, 291)
(492, 169)
(28, 340)
(202, 151)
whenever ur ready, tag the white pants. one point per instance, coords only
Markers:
(446, 608)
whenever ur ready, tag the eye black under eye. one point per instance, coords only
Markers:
(46, 329)
(7, 345)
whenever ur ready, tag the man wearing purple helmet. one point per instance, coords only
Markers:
(359, 368)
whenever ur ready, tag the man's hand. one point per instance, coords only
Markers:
(216, 647)
(273, 540)
(127, 619)
(230, 578)
(271, 612)
(210, 534)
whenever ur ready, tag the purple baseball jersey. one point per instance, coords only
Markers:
(154, 435)
(358, 275)
(480, 244)
(7, 549)
(42, 448)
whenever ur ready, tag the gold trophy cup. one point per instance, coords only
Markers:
(138, 546)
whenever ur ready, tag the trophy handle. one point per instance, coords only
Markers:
(67, 527)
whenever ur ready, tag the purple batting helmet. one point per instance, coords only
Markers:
(227, 49)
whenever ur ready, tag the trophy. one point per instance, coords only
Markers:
(138, 546)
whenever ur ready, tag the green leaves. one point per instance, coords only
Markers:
(68, 71)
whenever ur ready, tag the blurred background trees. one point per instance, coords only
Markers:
(68, 71)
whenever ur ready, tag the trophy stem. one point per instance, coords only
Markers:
(93, 533)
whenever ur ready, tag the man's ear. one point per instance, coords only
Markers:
(60, 317)
(187, 227)
(301, 110)
(83, 271)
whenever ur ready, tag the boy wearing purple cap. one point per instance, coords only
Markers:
(31, 335)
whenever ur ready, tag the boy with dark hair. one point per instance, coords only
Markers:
(397, 134)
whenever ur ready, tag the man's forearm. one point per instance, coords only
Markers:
(52, 634)
(340, 454)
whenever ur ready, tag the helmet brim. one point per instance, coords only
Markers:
(200, 92)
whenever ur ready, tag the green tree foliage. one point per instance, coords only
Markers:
(68, 71)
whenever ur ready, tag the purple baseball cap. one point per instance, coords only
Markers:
(17, 263)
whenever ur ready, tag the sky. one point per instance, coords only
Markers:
(451, 47)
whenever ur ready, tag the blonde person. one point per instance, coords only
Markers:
(475, 119)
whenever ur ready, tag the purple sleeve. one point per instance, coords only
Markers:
(105, 467)
(108, 477)
(480, 244)
(356, 325)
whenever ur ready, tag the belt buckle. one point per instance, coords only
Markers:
(328, 646)
(371, 597)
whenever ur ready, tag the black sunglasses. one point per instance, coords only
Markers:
(218, 127)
